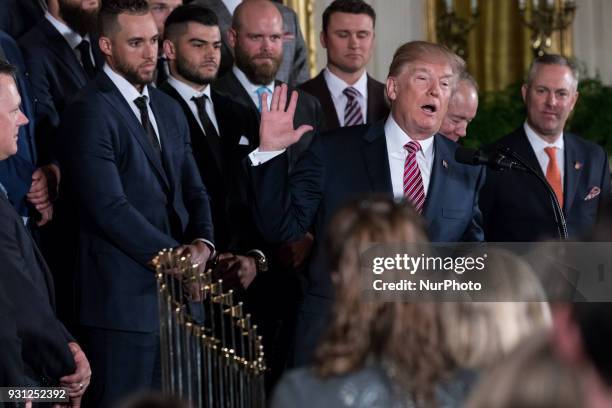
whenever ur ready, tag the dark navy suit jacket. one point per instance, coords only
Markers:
(16, 171)
(343, 165)
(28, 284)
(516, 206)
(131, 204)
(56, 76)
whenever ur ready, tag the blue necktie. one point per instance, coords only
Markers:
(260, 91)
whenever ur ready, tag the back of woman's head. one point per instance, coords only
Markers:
(480, 332)
(532, 376)
(406, 336)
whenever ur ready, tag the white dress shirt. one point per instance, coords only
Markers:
(396, 139)
(251, 88)
(538, 144)
(187, 92)
(72, 37)
(231, 5)
(130, 93)
(336, 88)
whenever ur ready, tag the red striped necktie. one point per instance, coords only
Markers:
(413, 183)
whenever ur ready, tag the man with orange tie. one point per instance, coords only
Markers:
(515, 205)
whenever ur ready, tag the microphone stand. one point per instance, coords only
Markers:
(558, 213)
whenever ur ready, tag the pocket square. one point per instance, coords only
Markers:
(593, 193)
(243, 141)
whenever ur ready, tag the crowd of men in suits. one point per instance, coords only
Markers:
(132, 126)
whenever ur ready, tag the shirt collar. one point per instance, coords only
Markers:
(186, 91)
(337, 85)
(537, 143)
(231, 5)
(128, 91)
(397, 138)
(248, 85)
(72, 37)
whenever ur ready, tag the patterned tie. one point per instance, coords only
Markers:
(352, 110)
(260, 91)
(413, 183)
(83, 48)
(553, 174)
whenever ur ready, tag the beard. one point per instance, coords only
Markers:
(81, 21)
(261, 74)
(131, 73)
(190, 72)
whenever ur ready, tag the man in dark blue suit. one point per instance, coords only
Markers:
(402, 156)
(61, 56)
(128, 157)
(516, 206)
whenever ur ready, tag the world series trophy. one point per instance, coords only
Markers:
(211, 355)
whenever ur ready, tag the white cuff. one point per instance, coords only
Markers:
(208, 244)
(258, 157)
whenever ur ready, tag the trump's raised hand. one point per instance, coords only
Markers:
(276, 130)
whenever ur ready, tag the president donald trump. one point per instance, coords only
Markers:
(401, 155)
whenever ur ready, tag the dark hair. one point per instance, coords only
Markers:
(6, 68)
(176, 22)
(348, 6)
(111, 9)
(552, 59)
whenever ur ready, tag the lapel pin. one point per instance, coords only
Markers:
(577, 165)
(444, 164)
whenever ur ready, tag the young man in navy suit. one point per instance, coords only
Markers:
(128, 156)
(516, 206)
(402, 156)
(347, 94)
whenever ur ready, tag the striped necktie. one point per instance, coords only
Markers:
(413, 183)
(352, 110)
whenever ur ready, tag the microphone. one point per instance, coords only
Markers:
(494, 160)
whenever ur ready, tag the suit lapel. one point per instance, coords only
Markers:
(371, 113)
(520, 145)
(236, 90)
(29, 274)
(167, 167)
(441, 168)
(375, 156)
(327, 103)
(116, 100)
(574, 162)
(65, 54)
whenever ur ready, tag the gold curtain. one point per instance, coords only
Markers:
(499, 50)
(305, 12)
